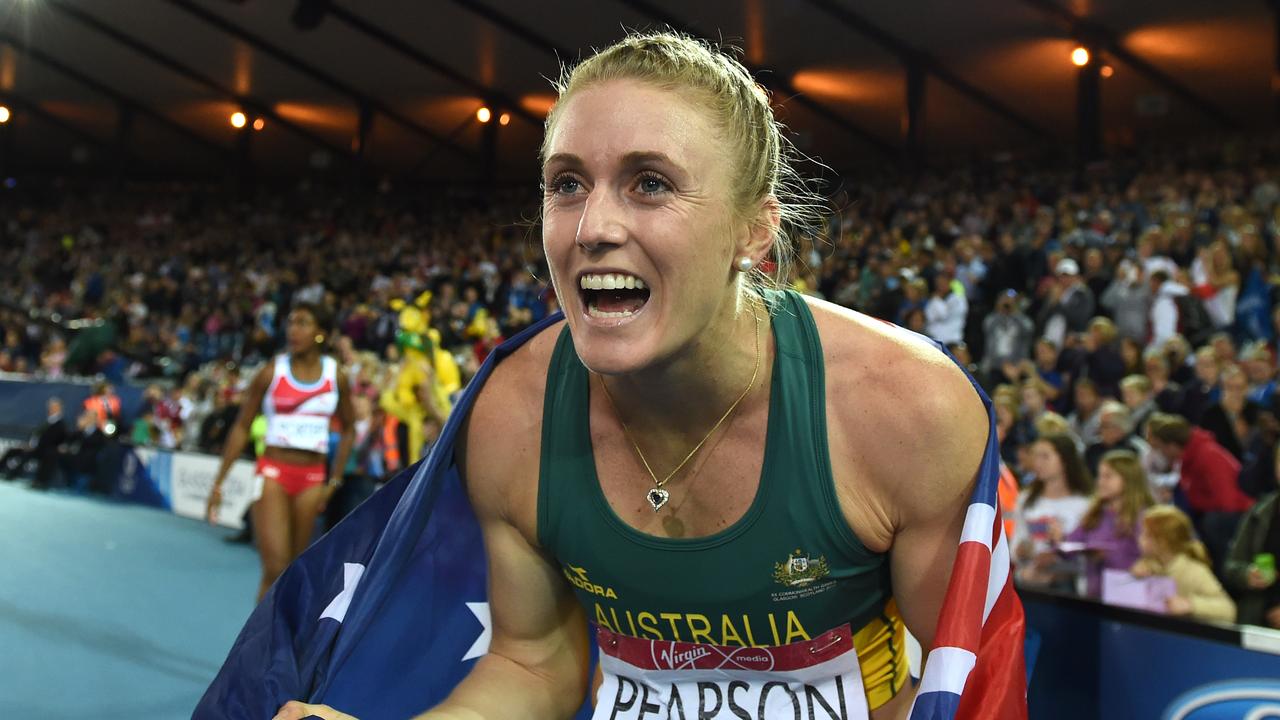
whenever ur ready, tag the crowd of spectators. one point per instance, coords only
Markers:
(1122, 318)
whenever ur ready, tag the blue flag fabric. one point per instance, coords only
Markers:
(1253, 308)
(386, 613)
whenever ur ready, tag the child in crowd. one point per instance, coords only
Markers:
(1109, 529)
(1169, 547)
(1051, 505)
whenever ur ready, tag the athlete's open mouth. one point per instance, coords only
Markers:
(612, 295)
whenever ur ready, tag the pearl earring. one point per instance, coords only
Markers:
(744, 264)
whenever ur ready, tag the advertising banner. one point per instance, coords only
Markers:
(185, 480)
(1114, 663)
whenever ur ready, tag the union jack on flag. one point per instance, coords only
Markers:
(385, 614)
(976, 668)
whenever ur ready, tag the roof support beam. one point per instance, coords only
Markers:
(773, 81)
(124, 101)
(1098, 35)
(33, 109)
(324, 78)
(914, 56)
(249, 103)
(418, 56)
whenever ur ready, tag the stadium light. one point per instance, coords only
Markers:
(1107, 71)
(504, 118)
(484, 114)
(259, 123)
(4, 114)
(238, 120)
(1080, 57)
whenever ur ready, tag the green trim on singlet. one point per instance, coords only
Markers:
(738, 586)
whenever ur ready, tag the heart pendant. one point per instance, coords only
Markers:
(657, 497)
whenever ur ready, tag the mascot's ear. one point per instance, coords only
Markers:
(423, 300)
(397, 304)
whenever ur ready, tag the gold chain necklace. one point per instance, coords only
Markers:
(658, 496)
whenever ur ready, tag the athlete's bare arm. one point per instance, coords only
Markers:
(239, 435)
(347, 420)
(538, 659)
(907, 434)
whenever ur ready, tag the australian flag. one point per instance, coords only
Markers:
(385, 614)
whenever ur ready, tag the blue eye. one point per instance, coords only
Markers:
(564, 185)
(651, 184)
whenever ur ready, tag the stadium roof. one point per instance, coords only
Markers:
(155, 81)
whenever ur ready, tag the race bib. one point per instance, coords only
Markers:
(302, 432)
(812, 680)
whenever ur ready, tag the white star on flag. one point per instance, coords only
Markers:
(337, 609)
(481, 645)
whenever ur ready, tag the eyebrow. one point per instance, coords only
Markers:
(631, 159)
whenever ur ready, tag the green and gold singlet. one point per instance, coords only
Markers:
(789, 570)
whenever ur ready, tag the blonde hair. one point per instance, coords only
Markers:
(1105, 329)
(1140, 383)
(740, 107)
(1134, 498)
(1169, 428)
(1171, 528)
(1051, 423)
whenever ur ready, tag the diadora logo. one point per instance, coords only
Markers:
(1230, 700)
(577, 577)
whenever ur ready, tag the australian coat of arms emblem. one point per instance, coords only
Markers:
(800, 569)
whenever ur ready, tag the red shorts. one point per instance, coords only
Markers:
(293, 478)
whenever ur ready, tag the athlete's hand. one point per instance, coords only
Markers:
(215, 502)
(325, 496)
(294, 710)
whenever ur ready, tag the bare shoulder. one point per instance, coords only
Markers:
(503, 433)
(898, 409)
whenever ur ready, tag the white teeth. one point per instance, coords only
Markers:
(612, 281)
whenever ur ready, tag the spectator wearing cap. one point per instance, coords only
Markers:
(1008, 334)
(1069, 303)
(945, 312)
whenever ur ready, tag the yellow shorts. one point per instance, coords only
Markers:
(882, 653)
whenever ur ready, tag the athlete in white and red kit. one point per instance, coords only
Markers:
(303, 396)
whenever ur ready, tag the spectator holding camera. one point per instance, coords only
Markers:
(1008, 334)
(1068, 303)
(1128, 298)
